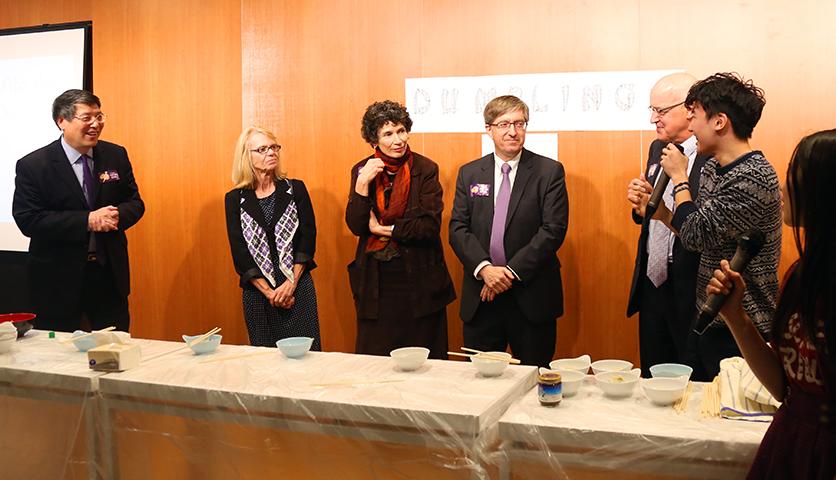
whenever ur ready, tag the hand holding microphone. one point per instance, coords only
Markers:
(728, 282)
(662, 179)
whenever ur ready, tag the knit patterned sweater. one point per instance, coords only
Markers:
(732, 200)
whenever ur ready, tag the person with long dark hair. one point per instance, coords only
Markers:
(799, 367)
(399, 278)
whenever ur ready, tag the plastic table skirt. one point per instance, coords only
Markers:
(47, 410)
(592, 436)
(326, 415)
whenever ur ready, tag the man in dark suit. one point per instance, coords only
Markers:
(509, 218)
(665, 274)
(74, 199)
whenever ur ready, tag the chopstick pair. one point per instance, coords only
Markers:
(486, 355)
(194, 342)
(72, 339)
(203, 337)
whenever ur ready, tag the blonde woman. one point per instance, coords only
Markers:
(272, 236)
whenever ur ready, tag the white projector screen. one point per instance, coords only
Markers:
(36, 65)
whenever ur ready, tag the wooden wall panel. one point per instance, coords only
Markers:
(169, 75)
(15, 14)
(180, 78)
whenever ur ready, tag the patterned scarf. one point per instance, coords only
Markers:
(399, 194)
(257, 243)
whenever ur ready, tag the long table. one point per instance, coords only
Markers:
(47, 410)
(591, 436)
(326, 415)
(334, 415)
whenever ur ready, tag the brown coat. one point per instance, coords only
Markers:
(418, 236)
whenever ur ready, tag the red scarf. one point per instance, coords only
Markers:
(397, 199)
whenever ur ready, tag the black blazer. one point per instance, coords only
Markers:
(49, 208)
(685, 262)
(418, 236)
(304, 240)
(538, 215)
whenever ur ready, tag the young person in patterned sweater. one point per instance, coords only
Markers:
(799, 368)
(739, 191)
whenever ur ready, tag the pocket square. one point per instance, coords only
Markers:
(480, 190)
(108, 176)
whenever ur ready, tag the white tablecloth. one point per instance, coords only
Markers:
(590, 432)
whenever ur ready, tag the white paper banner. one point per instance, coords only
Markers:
(580, 101)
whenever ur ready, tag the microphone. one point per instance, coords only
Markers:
(661, 184)
(748, 245)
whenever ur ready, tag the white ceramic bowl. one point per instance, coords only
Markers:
(295, 347)
(409, 358)
(85, 343)
(207, 346)
(6, 342)
(664, 390)
(600, 366)
(617, 384)
(579, 364)
(572, 381)
(671, 370)
(490, 367)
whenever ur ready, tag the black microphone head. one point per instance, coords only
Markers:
(751, 242)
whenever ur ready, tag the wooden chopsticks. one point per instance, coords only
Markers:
(203, 337)
(194, 342)
(72, 339)
(485, 355)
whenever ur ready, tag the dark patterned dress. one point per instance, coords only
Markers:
(267, 324)
(801, 442)
(267, 237)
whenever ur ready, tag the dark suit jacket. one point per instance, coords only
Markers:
(538, 215)
(49, 208)
(418, 236)
(304, 240)
(685, 263)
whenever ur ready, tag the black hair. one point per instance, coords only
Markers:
(64, 104)
(811, 290)
(740, 100)
(379, 114)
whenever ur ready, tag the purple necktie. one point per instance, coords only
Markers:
(87, 180)
(500, 213)
(90, 196)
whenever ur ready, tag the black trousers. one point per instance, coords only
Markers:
(705, 351)
(664, 322)
(500, 323)
(100, 302)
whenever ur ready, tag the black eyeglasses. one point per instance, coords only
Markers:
(266, 148)
(518, 125)
(662, 111)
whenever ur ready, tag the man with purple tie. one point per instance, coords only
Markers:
(74, 199)
(510, 215)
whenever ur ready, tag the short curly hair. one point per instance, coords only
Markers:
(730, 94)
(379, 114)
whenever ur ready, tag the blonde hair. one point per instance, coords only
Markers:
(502, 105)
(243, 173)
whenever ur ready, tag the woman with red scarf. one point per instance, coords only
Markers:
(799, 367)
(399, 279)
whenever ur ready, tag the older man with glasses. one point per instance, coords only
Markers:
(663, 288)
(510, 216)
(74, 199)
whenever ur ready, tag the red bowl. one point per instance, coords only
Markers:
(21, 321)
